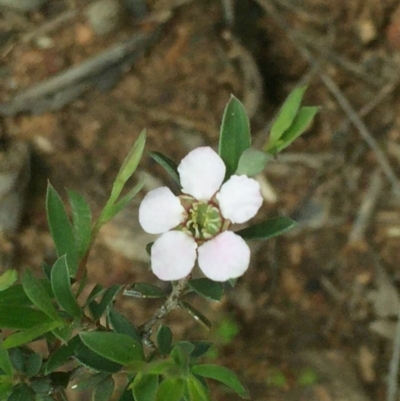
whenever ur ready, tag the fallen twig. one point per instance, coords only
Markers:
(367, 208)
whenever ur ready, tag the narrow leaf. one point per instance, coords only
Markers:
(97, 309)
(82, 220)
(200, 348)
(267, 229)
(144, 387)
(196, 391)
(62, 355)
(207, 288)
(169, 165)
(20, 317)
(14, 295)
(128, 167)
(5, 362)
(286, 115)
(21, 392)
(116, 347)
(300, 124)
(122, 325)
(33, 364)
(61, 229)
(60, 283)
(27, 336)
(36, 292)
(8, 278)
(234, 137)
(223, 375)
(197, 315)
(90, 381)
(144, 290)
(171, 390)
(164, 339)
(252, 162)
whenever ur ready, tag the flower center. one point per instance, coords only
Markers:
(204, 220)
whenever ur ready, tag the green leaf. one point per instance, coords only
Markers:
(144, 290)
(252, 162)
(128, 167)
(197, 315)
(104, 390)
(37, 293)
(144, 387)
(200, 348)
(64, 333)
(267, 229)
(164, 339)
(196, 391)
(61, 285)
(300, 124)
(8, 278)
(171, 390)
(119, 205)
(20, 317)
(122, 325)
(169, 165)
(207, 288)
(28, 335)
(61, 229)
(21, 392)
(42, 387)
(5, 388)
(14, 295)
(223, 375)
(33, 364)
(82, 221)
(116, 347)
(17, 359)
(62, 355)
(286, 115)
(5, 361)
(97, 309)
(93, 360)
(234, 137)
(97, 290)
(181, 353)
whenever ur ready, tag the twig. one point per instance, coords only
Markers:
(340, 98)
(392, 386)
(77, 78)
(367, 208)
(171, 303)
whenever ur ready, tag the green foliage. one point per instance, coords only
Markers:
(223, 375)
(252, 162)
(61, 285)
(267, 229)
(5, 361)
(196, 314)
(234, 137)
(211, 290)
(61, 230)
(82, 220)
(291, 122)
(145, 387)
(171, 389)
(122, 325)
(97, 309)
(164, 339)
(144, 290)
(116, 347)
(7, 279)
(167, 164)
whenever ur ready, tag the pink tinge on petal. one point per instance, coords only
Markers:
(173, 255)
(240, 198)
(201, 173)
(160, 211)
(224, 257)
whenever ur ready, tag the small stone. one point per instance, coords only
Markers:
(104, 16)
(22, 5)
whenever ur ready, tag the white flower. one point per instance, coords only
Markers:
(194, 225)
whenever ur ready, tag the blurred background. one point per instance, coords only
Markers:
(314, 317)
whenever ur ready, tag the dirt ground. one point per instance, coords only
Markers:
(314, 317)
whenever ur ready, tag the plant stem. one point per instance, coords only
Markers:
(171, 303)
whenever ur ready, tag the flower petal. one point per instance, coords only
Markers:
(201, 173)
(173, 255)
(240, 198)
(224, 257)
(160, 211)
